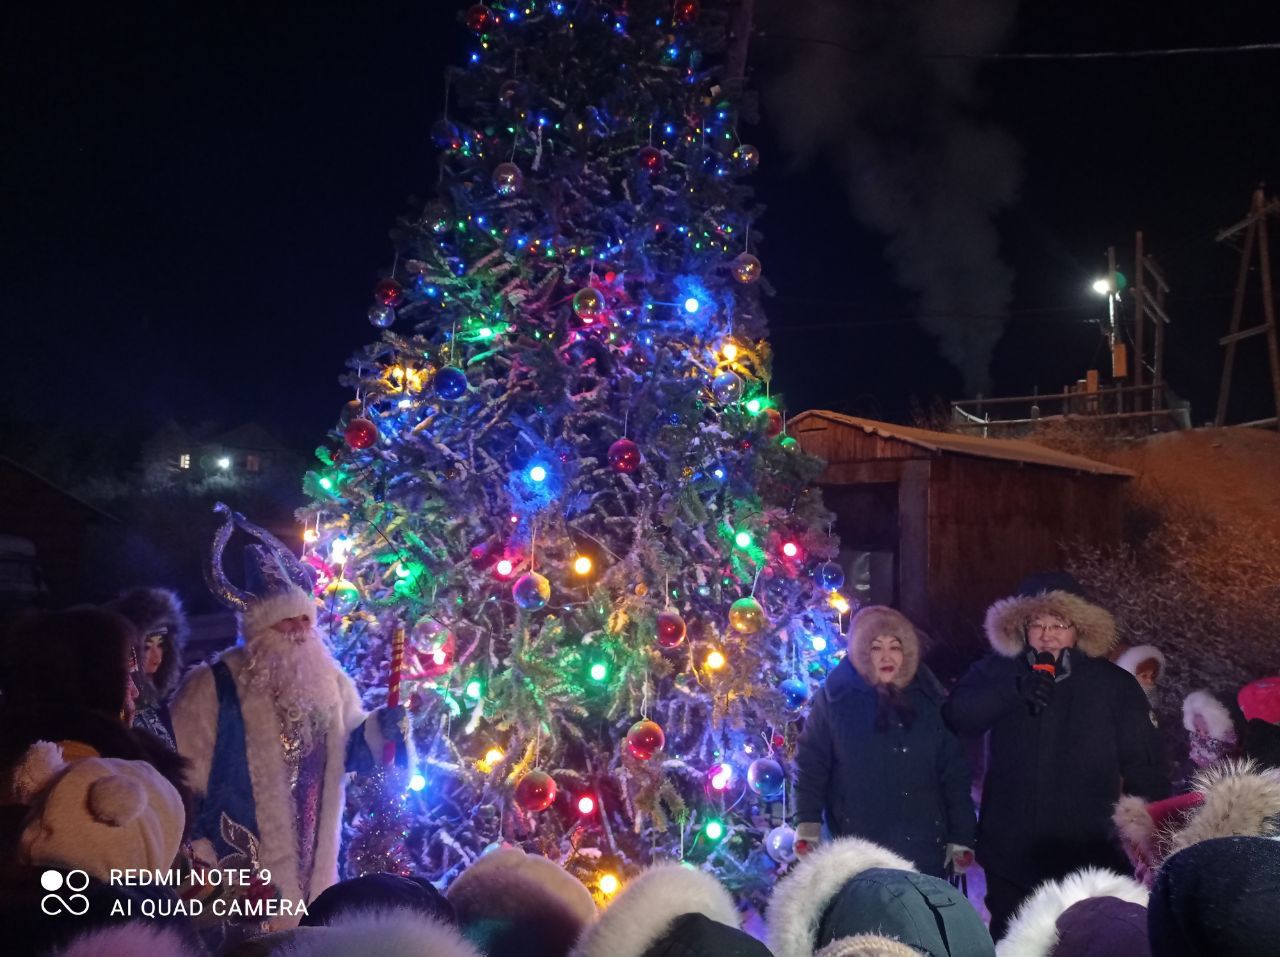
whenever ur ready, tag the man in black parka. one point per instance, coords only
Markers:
(1062, 746)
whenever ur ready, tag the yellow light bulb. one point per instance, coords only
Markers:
(582, 565)
(839, 603)
(310, 535)
(608, 884)
(493, 756)
(715, 661)
(730, 351)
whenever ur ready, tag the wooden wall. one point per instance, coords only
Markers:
(993, 523)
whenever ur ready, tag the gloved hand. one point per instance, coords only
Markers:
(959, 857)
(808, 837)
(391, 722)
(1036, 687)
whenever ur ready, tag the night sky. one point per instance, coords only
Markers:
(197, 199)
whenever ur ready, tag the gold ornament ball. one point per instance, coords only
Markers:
(746, 616)
(746, 269)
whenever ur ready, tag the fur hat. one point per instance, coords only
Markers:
(395, 932)
(872, 622)
(1006, 623)
(655, 909)
(1220, 898)
(512, 903)
(1146, 829)
(152, 610)
(853, 898)
(1138, 655)
(97, 813)
(128, 939)
(1064, 918)
(1239, 798)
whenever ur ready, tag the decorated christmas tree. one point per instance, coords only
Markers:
(564, 480)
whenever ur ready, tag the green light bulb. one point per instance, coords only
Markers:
(743, 539)
(474, 689)
(713, 829)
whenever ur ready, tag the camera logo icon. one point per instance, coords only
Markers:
(74, 902)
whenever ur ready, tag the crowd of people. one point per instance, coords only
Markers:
(114, 760)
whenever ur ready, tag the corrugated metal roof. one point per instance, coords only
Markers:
(1009, 450)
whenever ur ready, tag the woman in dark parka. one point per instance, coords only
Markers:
(875, 758)
(1063, 746)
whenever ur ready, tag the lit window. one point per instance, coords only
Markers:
(184, 460)
(252, 463)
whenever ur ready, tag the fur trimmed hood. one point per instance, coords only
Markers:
(1034, 930)
(128, 937)
(1006, 623)
(1202, 713)
(1133, 657)
(645, 910)
(510, 902)
(1145, 829)
(867, 945)
(873, 621)
(802, 896)
(397, 932)
(262, 613)
(151, 609)
(1240, 799)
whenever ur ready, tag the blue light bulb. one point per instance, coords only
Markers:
(417, 782)
(691, 305)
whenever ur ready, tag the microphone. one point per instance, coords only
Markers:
(1046, 663)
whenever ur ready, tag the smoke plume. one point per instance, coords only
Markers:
(902, 131)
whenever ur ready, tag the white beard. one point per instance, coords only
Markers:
(300, 679)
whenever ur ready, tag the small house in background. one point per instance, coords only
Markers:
(940, 525)
(247, 453)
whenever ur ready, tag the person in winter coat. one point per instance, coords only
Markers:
(1260, 704)
(876, 759)
(65, 678)
(377, 932)
(1148, 665)
(161, 626)
(1091, 913)
(1063, 745)
(669, 911)
(1218, 898)
(853, 898)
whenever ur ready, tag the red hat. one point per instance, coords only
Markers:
(1261, 700)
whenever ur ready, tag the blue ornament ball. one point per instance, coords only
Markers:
(795, 692)
(829, 575)
(382, 316)
(766, 777)
(727, 387)
(451, 383)
(531, 591)
(780, 844)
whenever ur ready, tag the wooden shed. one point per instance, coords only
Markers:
(940, 525)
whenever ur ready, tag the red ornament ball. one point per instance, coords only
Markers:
(686, 12)
(772, 422)
(360, 433)
(650, 158)
(624, 456)
(388, 292)
(480, 18)
(536, 791)
(671, 628)
(645, 739)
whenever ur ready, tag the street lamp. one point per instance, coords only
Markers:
(224, 463)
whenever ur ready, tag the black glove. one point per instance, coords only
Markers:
(1036, 688)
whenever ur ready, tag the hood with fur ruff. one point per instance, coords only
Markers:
(151, 609)
(1006, 623)
(1034, 930)
(872, 622)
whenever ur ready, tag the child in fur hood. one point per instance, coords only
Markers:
(161, 626)
(877, 760)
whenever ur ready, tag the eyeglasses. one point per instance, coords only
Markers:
(1055, 628)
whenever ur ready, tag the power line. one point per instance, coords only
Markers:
(1092, 55)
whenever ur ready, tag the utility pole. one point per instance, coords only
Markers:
(1254, 227)
(1148, 305)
